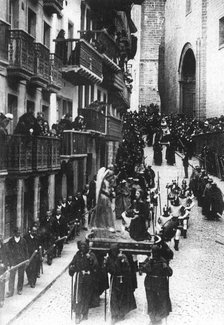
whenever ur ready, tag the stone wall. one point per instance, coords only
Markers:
(151, 39)
(200, 30)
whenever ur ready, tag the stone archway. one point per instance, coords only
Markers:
(187, 72)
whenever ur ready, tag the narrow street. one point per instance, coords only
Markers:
(196, 287)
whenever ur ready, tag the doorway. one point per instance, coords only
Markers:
(187, 71)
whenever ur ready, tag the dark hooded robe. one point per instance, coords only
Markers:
(84, 265)
(122, 298)
(217, 204)
(157, 287)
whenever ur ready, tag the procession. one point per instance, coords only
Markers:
(130, 226)
(111, 162)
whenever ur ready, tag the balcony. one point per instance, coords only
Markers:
(54, 151)
(32, 154)
(105, 44)
(114, 128)
(55, 73)
(83, 65)
(46, 153)
(53, 6)
(74, 143)
(20, 154)
(114, 81)
(41, 66)
(21, 55)
(40, 153)
(95, 121)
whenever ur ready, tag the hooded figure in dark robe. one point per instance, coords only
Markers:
(84, 265)
(122, 298)
(157, 272)
(217, 203)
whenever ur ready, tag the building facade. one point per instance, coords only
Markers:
(61, 57)
(194, 57)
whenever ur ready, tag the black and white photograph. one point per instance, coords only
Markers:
(112, 162)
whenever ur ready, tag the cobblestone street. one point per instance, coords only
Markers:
(196, 287)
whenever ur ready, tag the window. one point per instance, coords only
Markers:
(30, 106)
(88, 20)
(80, 97)
(70, 35)
(105, 98)
(86, 95)
(92, 93)
(31, 22)
(221, 31)
(188, 6)
(4, 29)
(12, 108)
(64, 106)
(45, 110)
(98, 95)
(47, 31)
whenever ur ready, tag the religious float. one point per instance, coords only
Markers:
(104, 233)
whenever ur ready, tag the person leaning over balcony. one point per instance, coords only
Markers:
(4, 121)
(79, 123)
(17, 251)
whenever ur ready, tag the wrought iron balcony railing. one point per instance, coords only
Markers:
(74, 143)
(21, 54)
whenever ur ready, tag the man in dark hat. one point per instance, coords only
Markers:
(17, 252)
(33, 245)
(59, 228)
(185, 164)
(84, 264)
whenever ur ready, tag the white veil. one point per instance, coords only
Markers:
(102, 172)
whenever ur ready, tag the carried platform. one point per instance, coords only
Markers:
(102, 240)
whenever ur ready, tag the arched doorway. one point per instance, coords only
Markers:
(187, 71)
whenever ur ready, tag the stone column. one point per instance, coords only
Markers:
(52, 117)
(20, 203)
(64, 185)
(36, 208)
(75, 176)
(51, 191)
(2, 206)
(21, 99)
(38, 103)
(84, 170)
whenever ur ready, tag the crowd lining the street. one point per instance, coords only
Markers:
(129, 192)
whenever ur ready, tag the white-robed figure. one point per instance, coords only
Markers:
(103, 216)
